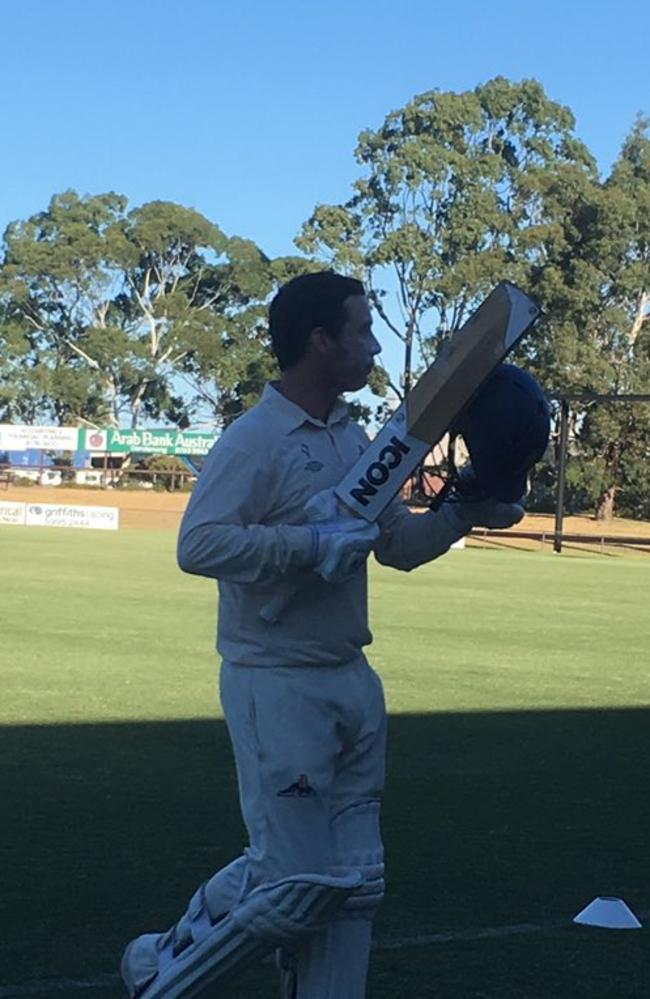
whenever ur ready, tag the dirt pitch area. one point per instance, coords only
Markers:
(163, 511)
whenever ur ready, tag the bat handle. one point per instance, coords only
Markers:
(272, 611)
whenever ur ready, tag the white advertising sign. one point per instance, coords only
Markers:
(103, 518)
(20, 438)
(12, 513)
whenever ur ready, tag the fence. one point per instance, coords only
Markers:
(550, 537)
(99, 478)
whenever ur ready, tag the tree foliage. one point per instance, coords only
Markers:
(461, 190)
(105, 311)
(451, 202)
(596, 289)
(110, 314)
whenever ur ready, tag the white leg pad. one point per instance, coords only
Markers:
(359, 848)
(334, 962)
(271, 916)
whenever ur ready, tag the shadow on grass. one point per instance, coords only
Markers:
(490, 820)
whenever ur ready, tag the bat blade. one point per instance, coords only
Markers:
(437, 400)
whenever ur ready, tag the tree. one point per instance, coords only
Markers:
(596, 287)
(109, 307)
(626, 325)
(453, 199)
(22, 387)
(461, 190)
(228, 360)
(49, 261)
(229, 371)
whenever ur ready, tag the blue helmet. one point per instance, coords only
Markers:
(506, 428)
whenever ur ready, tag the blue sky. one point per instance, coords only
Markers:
(249, 111)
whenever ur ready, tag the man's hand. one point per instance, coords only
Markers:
(326, 506)
(339, 548)
(470, 506)
(485, 513)
(341, 542)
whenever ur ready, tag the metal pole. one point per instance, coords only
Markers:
(561, 474)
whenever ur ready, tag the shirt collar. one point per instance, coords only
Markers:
(289, 416)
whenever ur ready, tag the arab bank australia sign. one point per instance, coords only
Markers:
(180, 442)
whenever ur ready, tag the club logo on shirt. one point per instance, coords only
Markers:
(311, 466)
(300, 788)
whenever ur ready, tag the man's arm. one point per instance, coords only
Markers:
(222, 535)
(410, 539)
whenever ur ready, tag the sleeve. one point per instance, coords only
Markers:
(410, 539)
(222, 533)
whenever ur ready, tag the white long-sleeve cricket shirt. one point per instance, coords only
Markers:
(244, 526)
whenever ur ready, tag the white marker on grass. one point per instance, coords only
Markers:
(608, 912)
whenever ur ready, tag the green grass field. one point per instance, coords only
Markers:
(519, 779)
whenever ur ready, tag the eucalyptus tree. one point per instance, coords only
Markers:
(106, 309)
(452, 199)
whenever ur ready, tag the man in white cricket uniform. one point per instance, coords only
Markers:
(304, 709)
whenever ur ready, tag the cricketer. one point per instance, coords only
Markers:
(304, 708)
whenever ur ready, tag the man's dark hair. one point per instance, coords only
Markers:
(304, 303)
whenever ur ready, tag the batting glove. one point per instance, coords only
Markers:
(326, 506)
(340, 548)
(341, 542)
(469, 513)
(470, 506)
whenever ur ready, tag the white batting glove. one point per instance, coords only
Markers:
(340, 547)
(326, 506)
(341, 542)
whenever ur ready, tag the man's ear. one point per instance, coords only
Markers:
(321, 340)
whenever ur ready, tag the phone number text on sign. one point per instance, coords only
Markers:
(103, 518)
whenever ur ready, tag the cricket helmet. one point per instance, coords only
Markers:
(506, 428)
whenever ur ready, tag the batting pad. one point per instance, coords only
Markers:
(359, 848)
(273, 915)
(334, 964)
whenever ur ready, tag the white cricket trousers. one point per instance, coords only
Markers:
(310, 748)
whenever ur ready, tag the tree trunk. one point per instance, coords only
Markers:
(606, 503)
(408, 361)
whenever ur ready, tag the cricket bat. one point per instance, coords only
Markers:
(431, 407)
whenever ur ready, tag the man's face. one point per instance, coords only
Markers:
(351, 355)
